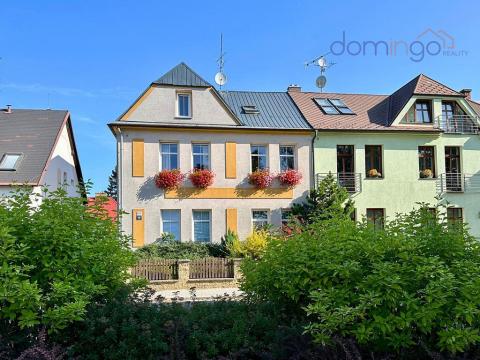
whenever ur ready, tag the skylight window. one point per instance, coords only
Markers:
(250, 109)
(334, 106)
(9, 161)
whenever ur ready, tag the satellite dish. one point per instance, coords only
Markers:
(322, 62)
(220, 78)
(321, 81)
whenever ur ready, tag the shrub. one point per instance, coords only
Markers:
(169, 179)
(290, 177)
(171, 249)
(57, 258)
(261, 179)
(201, 178)
(253, 246)
(416, 284)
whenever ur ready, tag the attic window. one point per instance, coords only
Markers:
(250, 109)
(334, 107)
(9, 161)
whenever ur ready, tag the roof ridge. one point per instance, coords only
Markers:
(435, 81)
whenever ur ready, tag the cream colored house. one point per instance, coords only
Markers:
(182, 122)
(394, 151)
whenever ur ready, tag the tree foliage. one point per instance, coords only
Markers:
(326, 201)
(56, 258)
(112, 189)
(414, 284)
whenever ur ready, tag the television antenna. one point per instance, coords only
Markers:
(323, 64)
(220, 77)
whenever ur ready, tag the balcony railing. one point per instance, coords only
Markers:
(352, 182)
(459, 183)
(458, 124)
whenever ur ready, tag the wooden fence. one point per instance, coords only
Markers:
(156, 269)
(211, 268)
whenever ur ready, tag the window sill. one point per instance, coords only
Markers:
(183, 117)
(432, 178)
(374, 178)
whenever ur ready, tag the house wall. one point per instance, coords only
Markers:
(141, 192)
(401, 189)
(62, 161)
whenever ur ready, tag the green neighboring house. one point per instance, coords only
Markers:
(393, 151)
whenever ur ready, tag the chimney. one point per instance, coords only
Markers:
(294, 88)
(467, 93)
(8, 110)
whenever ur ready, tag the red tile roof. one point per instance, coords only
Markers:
(372, 112)
(110, 206)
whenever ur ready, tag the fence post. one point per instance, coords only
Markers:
(183, 271)
(237, 273)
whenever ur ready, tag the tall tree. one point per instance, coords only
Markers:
(112, 184)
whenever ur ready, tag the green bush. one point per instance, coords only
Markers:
(56, 258)
(171, 249)
(415, 284)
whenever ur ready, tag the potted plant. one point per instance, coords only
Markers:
(169, 179)
(426, 174)
(201, 178)
(290, 177)
(261, 179)
(373, 173)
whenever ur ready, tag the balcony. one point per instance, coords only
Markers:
(352, 182)
(458, 124)
(459, 183)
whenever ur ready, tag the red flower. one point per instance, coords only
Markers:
(261, 179)
(169, 179)
(201, 178)
(290, 178)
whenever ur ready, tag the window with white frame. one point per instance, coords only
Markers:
(259, 218)
(184, 105)
(287, 157)
(171, 223)
(201, 225)
(286, 215)
(201, 156)
(259, 157)
(9, 161)
(169, 156)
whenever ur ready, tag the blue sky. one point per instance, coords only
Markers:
(95, 57)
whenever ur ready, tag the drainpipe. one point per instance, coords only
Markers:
(120, 171)
(313, 160)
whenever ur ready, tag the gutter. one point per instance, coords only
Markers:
(313, 160)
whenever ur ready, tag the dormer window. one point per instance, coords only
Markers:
(9, 161)
(419, 113)
(184, 105)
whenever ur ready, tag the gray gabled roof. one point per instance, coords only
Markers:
(31, 133)
(275, 109)
(182, 75)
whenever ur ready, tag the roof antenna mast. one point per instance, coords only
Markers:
(220, 77)
(323, 64)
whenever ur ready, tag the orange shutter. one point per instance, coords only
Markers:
(138, 227)
(230, 160)
(138, 157)
(232, 219)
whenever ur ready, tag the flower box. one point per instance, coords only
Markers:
(201, 179)
(261, 179)
(169, 179)
(290, 178)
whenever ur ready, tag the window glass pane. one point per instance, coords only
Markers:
(454, 216)
(201, 158)
(171, 222)
(260, 218)
(183, 105)
(373, 161)
(259, 157)
(287, 158)
(169, 156)
(9, 161)
(422, 112)
(201, 226)
(426, 161)
(376, 218)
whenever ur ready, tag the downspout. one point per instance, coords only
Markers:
(313, 160)
(120, 172)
